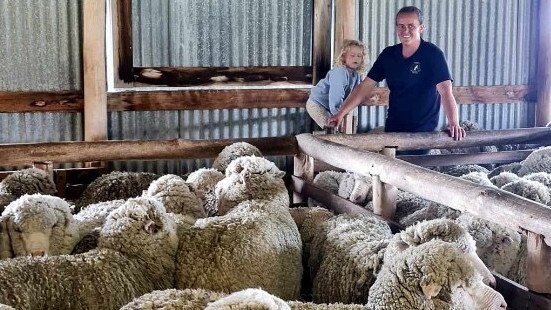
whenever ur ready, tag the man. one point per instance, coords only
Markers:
(418, 77)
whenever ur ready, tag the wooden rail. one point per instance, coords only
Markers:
(66, 152)
(441, 140)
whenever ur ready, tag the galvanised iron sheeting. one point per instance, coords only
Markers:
(488, 116)
(486, 42)
(40, 45)
(40, 127)
(222, 33)
(204, 124)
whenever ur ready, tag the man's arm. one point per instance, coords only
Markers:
(358, 95)
(450, 108)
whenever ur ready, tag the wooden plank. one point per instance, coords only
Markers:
(384, 195)
(61, 101)
(193, 76)
(321, 58)
(66, 152)
(95, 80)
(491, 204)
(441, 140)
(123, 26)
(121, 21)
(538, 274)
(502, 157)
(208, 100)
(543, 107)
(304, 169)
(345, 22)
(73, 101)
(519, 297)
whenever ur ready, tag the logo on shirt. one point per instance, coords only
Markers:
(415, 67)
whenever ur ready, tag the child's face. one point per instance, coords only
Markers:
(353, 58)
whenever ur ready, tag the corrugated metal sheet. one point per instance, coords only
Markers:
(40, 45)
(219, 33)
(202, 124)
(488, 42)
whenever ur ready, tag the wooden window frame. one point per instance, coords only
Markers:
(126, 72)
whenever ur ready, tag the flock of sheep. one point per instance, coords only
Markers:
(225, 238)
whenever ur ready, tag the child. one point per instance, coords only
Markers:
(328, 95)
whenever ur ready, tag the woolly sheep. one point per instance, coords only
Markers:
(354, 187)
(5, 199)
(345, 255)
(234, 151)
(250, 177)
(175, 194)
(188, 299)
(28, 181)
(113, 186)
(135, 256)
(504, 178)
(500, 248)
(203, 183)
(419, 276)
(4, 307)
(460, 170)
(407, 203)
(529, 189)
(512, 167)
(480, 178)
(249, 299)
(255, 244)
(541, 177)
(538, 161)
(37, 225)
(328, 180)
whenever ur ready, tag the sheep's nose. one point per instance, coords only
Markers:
(38, 253)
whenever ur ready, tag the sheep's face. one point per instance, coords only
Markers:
(360, 192)
(139, 228)
(30, 228)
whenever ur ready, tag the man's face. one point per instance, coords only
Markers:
(408, 28)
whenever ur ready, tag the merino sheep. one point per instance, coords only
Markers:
(5, 199)
(28, 181)
(541, 177)
(512, 167)
(249, 299)
(136, 254)
(188, 299)
(175, 194)
(234, 151)
(328, 180)
(352, 186)
(529, 189)
(538, 161)
(344, 257)
(113, 186)
(480, 178)
(203, 182)
(431, 212)
(37, 225)
(255, 244)
(460, 170)
(504, 178)
(419, 276)
(250, 177)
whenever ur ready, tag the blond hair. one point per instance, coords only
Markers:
(346, 45)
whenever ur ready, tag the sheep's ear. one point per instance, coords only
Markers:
(5, 242)
(151, 227)
(280, 174)
(430, 290)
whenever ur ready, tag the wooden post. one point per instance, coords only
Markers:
(543, 108)
(538, 264)
(304, 169)
(384, 195)
(95, 81)
(121, 21)
(321, 60)
(345, 23)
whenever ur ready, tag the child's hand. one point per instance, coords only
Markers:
(334, 121)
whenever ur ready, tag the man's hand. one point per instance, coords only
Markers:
(456, 132)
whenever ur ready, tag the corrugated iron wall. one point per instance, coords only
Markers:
(487, 43)
(221, 33)
(40, 50)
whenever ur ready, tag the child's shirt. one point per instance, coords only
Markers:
(331, 91)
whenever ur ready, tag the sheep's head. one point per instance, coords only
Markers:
(234, 151)
(37, 224)
(362, 190)
(448, 231)
(140, 228)
(28, 181)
